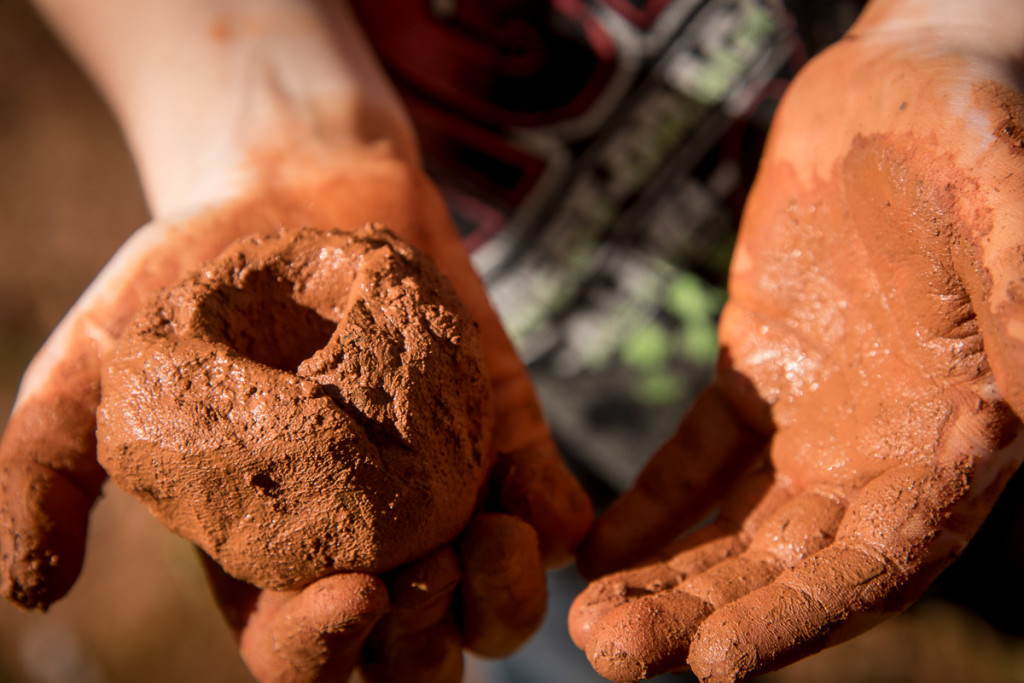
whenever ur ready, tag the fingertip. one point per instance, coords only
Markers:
(607, 593)
(342, 602)
(504, 588)
(768, 628)
(313, 635)
(49, 478)
(586, 611)
(43, 519)
(720, 658)
(734, 643)
(646, 637)
(718, 654)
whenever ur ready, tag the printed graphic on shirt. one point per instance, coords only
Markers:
(594, 154)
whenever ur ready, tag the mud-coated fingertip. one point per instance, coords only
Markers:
(348, 602)
(718, 654)
(581, 618)
(504, 590)
(315, 635)
(43, 518)
(611, 591)
(645, 637)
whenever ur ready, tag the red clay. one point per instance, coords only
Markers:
(304, 404)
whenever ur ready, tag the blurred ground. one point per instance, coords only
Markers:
(141, 611)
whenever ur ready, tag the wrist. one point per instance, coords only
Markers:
(206, 92)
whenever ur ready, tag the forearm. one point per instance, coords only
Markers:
(204, 90)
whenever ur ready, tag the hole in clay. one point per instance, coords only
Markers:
(264, 485)
(263, 322)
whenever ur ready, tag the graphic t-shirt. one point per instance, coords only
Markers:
(595, 155)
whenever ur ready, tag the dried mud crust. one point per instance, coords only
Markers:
(305, 404)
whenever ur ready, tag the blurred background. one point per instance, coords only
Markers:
(141, 610)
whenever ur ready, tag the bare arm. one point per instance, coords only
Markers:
(232, 79)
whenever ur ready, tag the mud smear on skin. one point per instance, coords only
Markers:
(893, 438)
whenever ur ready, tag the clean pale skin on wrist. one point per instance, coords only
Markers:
(199, 87)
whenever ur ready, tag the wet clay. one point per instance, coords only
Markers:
(305, 404)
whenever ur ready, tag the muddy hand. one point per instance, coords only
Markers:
(243, 118)
(855, 435)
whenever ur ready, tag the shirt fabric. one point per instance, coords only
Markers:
(595, 155)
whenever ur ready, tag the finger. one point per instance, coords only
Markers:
(651, 634)
(899, 532)
(417, 640)
(49, 477)
(315, 634)
(712, 447)
(707, 547)
(310, 635)
(753, 499)
(794, 619)
(504, 592)
(534, 485)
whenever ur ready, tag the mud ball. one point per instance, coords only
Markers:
(305, 404)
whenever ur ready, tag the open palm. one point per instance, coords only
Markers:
(870, 375)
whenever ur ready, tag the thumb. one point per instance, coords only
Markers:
(49, 477)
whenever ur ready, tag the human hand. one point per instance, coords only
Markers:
(287, 160)
(853, 437)
(528, 482)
